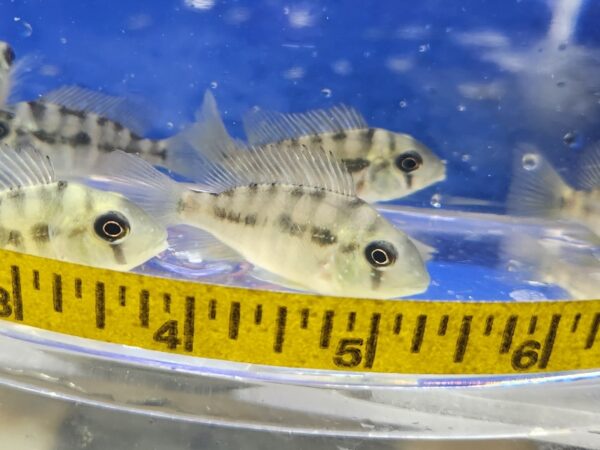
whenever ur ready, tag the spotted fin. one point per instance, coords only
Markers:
(537, 190)
(153, 191)
(588, 171)
(125, 111)
(24, 166)
(223, 163)
(263, 127)
(196, 245)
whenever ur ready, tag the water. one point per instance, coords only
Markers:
(474, 80)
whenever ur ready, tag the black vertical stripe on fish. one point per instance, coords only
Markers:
(409, 180)
(356, 164)
(80, 139)
(38, 111)
(40, 233)
(15, 238)
(367, 136)
(119, 255)
(9, 55)
(339, 136)
(376, 276)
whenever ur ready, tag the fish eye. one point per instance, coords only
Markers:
(9, 55)
(408, 162)
(4, 130)
(111, 226)
(380, 254)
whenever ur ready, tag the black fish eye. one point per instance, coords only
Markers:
(111, 226)
(9, 55)
(4, 130)
(408, 162)
(381, 254)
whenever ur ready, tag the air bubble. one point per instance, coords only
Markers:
(573, 140)
(403, 104)
(527, 294)
(436, 200)
(423, 48)
(170, 125)
(214, 85)
(530, 161)
(27, 29)
(326, 92)
(461, 108)
(63, 40)
(465, 157)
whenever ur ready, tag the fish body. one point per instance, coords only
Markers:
(53, 218)
(384, 165)
(538, 190)
(312, 237)
(293, 213)
(74, 138)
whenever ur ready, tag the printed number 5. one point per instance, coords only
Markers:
(348, 353)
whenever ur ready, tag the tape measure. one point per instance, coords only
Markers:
(297, 330)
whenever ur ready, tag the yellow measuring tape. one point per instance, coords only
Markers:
(296, 330)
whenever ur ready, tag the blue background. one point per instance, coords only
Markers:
(405, 65)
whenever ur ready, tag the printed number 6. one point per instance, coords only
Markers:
(348, 353)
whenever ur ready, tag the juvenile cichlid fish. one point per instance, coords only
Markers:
(538, 190)
(292, 212)
(44, 216)
(74, 126)
(384, 165)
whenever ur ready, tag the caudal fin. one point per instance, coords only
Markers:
(588, 171)
(191, 152)
(536, 189)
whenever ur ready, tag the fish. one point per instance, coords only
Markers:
(385, 165)
(538, 189)
(43, 215)
(74, 126)
(290, 212)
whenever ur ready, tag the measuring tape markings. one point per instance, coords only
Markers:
(296, 330)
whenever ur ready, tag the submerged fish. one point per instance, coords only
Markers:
(384, 165)
(538, 190)
(74, 126)
(44, 216)
(292, 212)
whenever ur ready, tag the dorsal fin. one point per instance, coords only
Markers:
(24, 166)
(263, 127)
(125, 111)
(225, 164)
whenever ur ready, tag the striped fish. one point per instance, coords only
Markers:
(384, 165)
(292, 212)
(538, 190)
(45, 216)
(74, 126)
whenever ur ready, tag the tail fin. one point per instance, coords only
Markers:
(537, 189)
(139, 181)
(204, 142)
(588, 170)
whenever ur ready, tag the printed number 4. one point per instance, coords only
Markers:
(168, 333)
